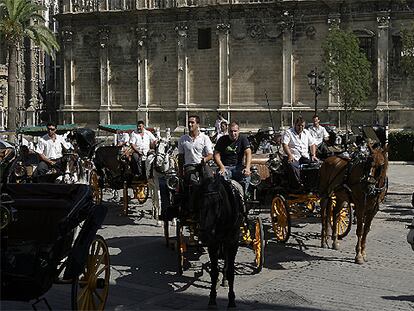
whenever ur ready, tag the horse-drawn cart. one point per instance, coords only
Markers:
(112, 170)
(188, 223)
(49, 236)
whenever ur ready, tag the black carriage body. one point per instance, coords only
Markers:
(42, 236)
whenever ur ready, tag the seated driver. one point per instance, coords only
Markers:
(296, 143)
(49, 149)
(194, 148)
(229, 153)
(141, 142)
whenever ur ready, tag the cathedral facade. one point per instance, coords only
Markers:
(163, 60)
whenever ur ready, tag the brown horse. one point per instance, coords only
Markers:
(361, 181)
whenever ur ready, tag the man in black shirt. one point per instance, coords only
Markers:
(229, 153)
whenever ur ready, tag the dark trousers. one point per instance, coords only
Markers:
(191, 187)
(44, 167)
(294, 172)
(136, 164)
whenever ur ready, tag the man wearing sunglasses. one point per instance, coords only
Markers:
(49, 149)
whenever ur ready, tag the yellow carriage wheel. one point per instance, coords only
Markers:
(259, 245)
(90, 289)
(181, 247)
(344, 221)
(94, 184)
(141, 193)
(280, 218)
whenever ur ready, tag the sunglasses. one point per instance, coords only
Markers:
(51, 129)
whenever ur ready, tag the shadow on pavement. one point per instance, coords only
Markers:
(400, 298)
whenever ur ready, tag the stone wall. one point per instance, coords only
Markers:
(120, 66)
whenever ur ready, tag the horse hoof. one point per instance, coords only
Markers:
(359, 260)
(225, 283)
(335, 246)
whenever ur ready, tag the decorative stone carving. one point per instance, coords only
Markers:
(256, 31)
(334, 19)
(383, 20)
(142, 36)
(84, 5)
(287, 22)
(181, 30)
(223, 28)
(103, 36)
(67, 35)
(310, 32)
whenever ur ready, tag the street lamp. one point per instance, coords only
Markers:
(316, 82)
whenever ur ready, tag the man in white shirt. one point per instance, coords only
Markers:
(194, 148)
(49, 149)
(220, 119)
(122, 139)
(223, 130)
(320, 134)
(141, 142)
(296, 143)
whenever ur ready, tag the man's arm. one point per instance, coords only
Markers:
(288, 152)
(313, 152)
(248, 157)
(217, 159)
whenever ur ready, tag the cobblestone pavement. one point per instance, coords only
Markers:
(296, 276)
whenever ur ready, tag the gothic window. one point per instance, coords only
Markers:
(204, 38)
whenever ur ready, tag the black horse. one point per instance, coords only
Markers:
(221, 215)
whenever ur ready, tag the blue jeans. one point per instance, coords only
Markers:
(236, 173)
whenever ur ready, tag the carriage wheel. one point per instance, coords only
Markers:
(94, 184)
(90, 289)
(141, 193)
(125, 199)
(259, 245)
(180, 247)
(280, 218)
(344, 221)
(166, 233)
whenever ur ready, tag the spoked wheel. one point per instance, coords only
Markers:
(259, 245)
(90, 289)
(180, 247)
(280, 218)
(94, 184)
(125, 200)
(141, 193)
(344, 221)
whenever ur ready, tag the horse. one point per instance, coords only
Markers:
(156, 165)
(221, 214)
(361, 181)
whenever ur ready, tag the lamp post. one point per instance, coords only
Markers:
(316, 82)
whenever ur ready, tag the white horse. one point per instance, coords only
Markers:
(157, 165)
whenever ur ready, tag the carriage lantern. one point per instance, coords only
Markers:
(255, 178)
(316, 82)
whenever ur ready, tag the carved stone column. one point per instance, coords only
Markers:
(142, 78)
(68, 75)
(224, 78)
(286, 26)
(383, 20)
(334, 20)
(105, 107)
(182, 65)
(182, 72)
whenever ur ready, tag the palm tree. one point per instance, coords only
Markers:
(21, 19)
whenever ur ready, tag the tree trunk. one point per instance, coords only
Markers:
(12, 83)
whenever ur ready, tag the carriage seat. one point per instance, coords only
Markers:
(260, 161)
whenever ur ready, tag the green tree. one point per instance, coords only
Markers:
(21, 19)
(407, 57)
(347, 68)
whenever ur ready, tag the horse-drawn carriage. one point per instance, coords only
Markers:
(27, 160)
(49, 235)
(190, 220)
(113, 170)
